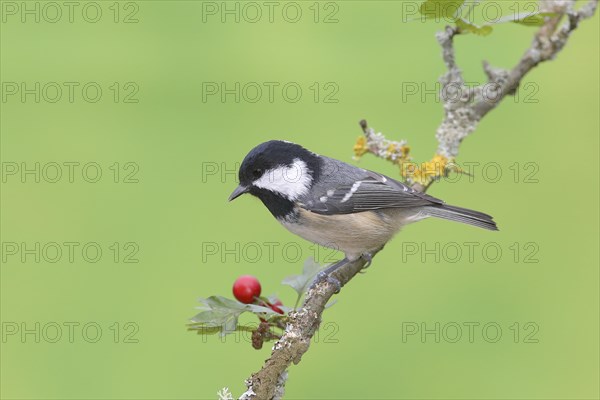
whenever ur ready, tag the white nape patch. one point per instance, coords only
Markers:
(353, 189)
(323, 199)
(330, 193)
(291, 181)
(383, 179)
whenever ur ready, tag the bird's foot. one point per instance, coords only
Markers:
(323, 277)
(368, 257)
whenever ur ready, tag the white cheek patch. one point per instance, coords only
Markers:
(291, 181)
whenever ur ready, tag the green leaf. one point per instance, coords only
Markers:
(467, 26)
(285, 309)
(438, 9)
(527, 18)
(537, 19)
(260, 309)
(212, 317)
(204, 329)
(223, 313)
(300, 283)
(245, 328)
(220, 302)
(225, 321)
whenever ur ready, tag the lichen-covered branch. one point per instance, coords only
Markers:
(463, 109)
(547, 43)
(420, 176)
(465, 106)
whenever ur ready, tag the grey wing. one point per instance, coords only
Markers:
(372, 191)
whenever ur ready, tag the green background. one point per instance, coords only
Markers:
(174, 210)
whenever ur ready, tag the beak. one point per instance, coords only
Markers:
(240, 190)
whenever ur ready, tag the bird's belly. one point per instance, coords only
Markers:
(353, 234)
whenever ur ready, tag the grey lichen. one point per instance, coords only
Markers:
(457, 125)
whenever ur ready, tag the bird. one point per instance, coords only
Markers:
(338, 205)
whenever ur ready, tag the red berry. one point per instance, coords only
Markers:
(246, 288)
(275, 307)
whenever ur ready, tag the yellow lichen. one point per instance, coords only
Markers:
(399, 154)
(404, 151)
(390, 151)
(428, 171)
(360, 147)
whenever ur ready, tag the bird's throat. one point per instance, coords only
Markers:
(278, 205)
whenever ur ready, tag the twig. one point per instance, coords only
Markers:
(461, 117)
(547, 43)
(464, 107)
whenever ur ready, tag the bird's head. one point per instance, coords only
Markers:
(279, 168)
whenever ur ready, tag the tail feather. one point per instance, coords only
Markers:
(463, 215)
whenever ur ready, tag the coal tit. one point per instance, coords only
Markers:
(335, 204)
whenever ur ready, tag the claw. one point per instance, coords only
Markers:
(325, 277)
(369, 258)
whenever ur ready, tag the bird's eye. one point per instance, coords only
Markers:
(257, 173)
